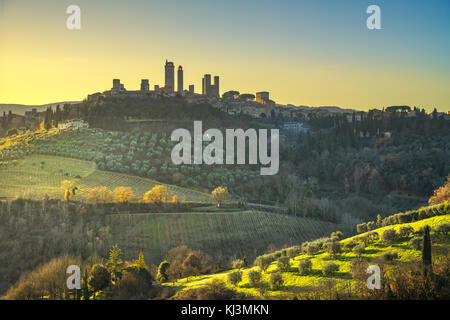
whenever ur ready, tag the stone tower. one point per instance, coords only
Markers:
(208, 89)
(180, 79)
(169, 77)
(216, 87)
(145, 85)
(206, 84)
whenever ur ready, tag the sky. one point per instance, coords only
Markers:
(304, 52)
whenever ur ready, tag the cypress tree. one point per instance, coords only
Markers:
(426, 251)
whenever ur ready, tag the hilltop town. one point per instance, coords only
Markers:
(258, 105)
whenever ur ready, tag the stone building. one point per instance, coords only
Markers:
(169, 77)
(180, 79)
(145, 86)
(262, 97)
(208, 89)
(117, 86)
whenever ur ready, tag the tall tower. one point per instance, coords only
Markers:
(169, 77)
(216, 87)
(145, 85)
(116, 84)
(206, 84)
(180, 79)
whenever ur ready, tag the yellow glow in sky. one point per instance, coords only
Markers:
(42, 62)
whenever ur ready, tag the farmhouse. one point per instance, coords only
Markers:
(75, 124)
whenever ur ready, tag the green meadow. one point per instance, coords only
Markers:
(36, 175)
(295, 284)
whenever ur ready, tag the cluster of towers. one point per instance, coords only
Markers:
(169, 83)
(208, 89)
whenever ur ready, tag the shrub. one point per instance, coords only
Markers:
(373, 236)
(293, 251)
(158, 194)
(389, 236)
(406, 231)
(135, 283)
(443, 228)
(359, 249)
(312, 249)
(370, 225)
(389, 256)
(329, 268)
(361, 228)
(254, 278)
(304, 266)
(332, 247)
(358, 269)
(284, 263)
(416, 243)
(263, 262)
(123, 194)
(238, 264)
(99, 277)
(235, 277)
(275, 281)
(338, 235)
(349, 245)
(304, 246)
(162, 276)
(404, 218)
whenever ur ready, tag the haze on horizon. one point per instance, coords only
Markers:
(306, 52)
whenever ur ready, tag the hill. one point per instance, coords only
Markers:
(21, 108)
(341, 281)
(33, 176)
(222, 234)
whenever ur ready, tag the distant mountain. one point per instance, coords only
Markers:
(21, 108)
(331, 109)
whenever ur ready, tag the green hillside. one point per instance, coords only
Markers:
(36, 175)
(222, 233)
(299, 285)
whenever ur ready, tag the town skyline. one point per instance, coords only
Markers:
(257, 48)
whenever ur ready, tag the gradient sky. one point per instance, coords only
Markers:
(310, 52)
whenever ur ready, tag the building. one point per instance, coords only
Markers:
(75, 124)
(208, 89)
(145, 86)
(294, 127)
(169, 77)
(156, 88)
(180, 79)
(262, 97)
(117, 86)
(191, 89)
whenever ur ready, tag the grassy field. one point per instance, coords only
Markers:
(36, 175)
(294, 283)
(229, 234)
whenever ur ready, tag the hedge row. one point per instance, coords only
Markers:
(407, 217)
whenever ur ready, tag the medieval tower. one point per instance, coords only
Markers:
(180, 79)
(169, 77)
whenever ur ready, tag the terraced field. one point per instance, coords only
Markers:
(37, 175)
(226, 234)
